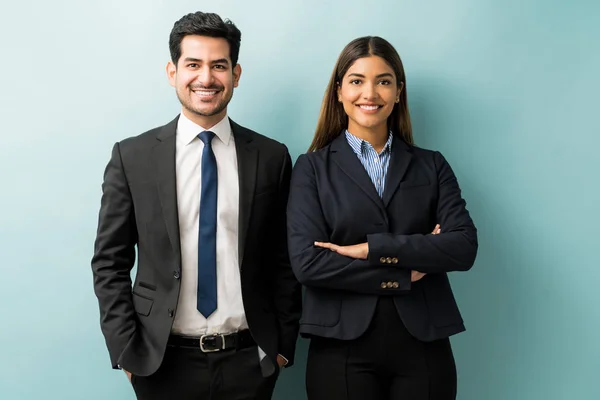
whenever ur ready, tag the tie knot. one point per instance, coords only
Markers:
(206, 137)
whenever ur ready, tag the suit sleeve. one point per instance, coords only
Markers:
(287, 291)
(454, 249)
(113, 259)
(323, 268)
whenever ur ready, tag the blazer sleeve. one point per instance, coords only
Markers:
(113, 259)
(323, 268)
(454, 249)
(287, 292)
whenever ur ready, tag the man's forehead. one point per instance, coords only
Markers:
(203, 48)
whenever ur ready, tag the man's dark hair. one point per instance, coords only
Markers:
(205, 24)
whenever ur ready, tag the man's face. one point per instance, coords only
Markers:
(204, 78)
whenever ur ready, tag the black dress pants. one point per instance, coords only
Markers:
(189, 374)
(386, 362)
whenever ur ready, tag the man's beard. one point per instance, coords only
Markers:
(221, 105)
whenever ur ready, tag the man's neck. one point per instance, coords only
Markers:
(204, 121)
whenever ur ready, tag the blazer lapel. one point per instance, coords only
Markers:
(399, 162)
(247, 159)
(348, 162)
(163, 160)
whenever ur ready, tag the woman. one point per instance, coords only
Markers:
(363, 239)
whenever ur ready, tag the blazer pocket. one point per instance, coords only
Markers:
(147, 286)
(321, 308)
(142, 305)
(264, 190)
(414, 184)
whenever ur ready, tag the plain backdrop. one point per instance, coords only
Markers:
(506, 90)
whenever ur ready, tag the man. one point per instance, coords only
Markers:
(214, 308)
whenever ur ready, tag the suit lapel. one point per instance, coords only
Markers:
(348, 162)
(163, 161)
(247, 159)
(399, 162)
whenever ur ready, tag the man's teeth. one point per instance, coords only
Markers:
(205, 92)
(369, 107)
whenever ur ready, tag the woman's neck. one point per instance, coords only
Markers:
(376, 136)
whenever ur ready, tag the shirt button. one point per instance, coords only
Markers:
(176, 274)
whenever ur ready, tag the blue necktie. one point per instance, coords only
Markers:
(207, 235)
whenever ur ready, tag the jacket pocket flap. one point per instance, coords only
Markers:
(142, 305)
(415, 183)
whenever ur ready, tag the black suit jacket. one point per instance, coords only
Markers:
(332, 199)
(139, 208)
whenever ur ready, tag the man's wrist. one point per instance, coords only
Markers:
(285, 360)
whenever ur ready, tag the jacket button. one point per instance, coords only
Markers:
(395, 285)
(382, 260)
(176, 274)
(388, 260)
(170, 313)
(394, 260)
(383, 285)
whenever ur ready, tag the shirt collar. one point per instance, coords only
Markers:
(187, 130)
(359, 145)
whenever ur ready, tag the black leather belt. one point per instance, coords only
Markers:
(215, 342)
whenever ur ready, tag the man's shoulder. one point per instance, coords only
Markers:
(264, 143)
(148, 138)
(141, 138)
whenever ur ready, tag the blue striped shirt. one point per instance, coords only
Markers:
(375, 164)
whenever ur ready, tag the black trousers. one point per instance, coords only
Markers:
(384, 363)
(189, 374)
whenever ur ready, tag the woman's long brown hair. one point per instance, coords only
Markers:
(332, 118)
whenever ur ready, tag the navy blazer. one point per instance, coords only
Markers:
(332, 199)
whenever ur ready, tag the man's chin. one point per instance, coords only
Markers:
(207, 112)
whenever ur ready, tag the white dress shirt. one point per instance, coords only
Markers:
(229, 315)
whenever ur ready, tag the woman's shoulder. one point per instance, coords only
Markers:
(316, 155)
(428, 156)
(422, 151)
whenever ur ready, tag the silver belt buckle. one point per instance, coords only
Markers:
(206, 339)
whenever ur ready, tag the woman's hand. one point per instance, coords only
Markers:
(358, 251)
(416, 275)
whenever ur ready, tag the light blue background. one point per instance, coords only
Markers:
(507, 90)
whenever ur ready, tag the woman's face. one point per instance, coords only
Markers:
(368, 93)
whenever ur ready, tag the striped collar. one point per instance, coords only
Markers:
(359, 146)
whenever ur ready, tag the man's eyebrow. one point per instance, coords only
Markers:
(197, 60)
